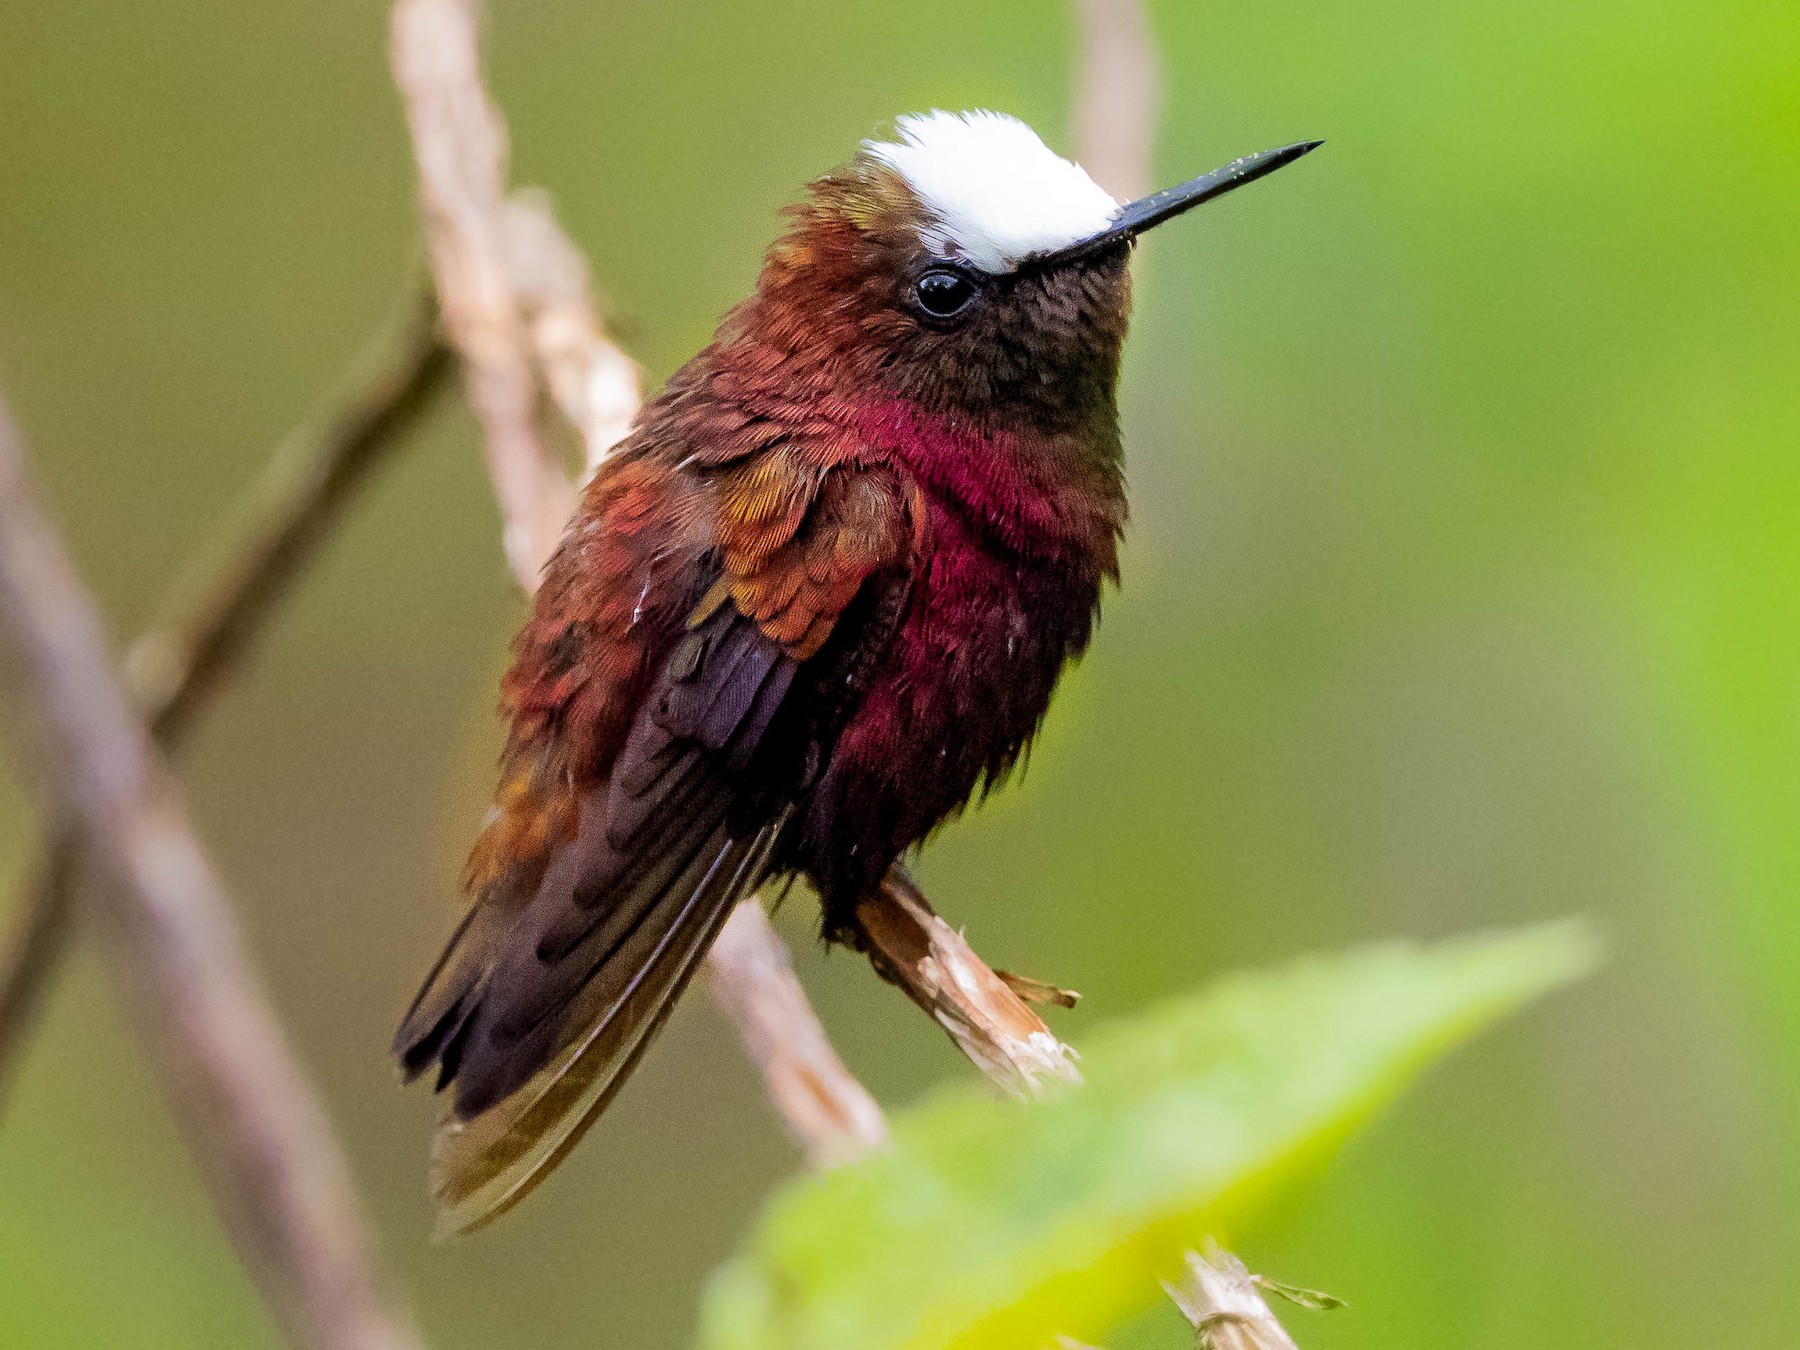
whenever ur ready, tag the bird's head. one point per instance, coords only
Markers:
(969, 270)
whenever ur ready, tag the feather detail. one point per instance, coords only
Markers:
(482, 1167)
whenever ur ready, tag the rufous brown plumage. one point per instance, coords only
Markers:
(814, 603)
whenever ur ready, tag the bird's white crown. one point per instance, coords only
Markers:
(993, 192)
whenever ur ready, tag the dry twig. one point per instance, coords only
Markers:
(1117, 89)
(593, 382)
(833, 1118)
(1224, 1303)
(460, 145)
(250, 1119)
(910, 946)
(225, 602)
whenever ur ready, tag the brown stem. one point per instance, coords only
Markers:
(208, 625)
(829, 1113)
(1117, 89)
(910, 946)
(592, 381)
(1223, 1302)
(250, 1119)
(460, 145)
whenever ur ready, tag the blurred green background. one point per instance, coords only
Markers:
(1463, 588)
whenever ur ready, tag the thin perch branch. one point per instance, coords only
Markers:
(594, 383)
(251, 1121)
(910, 946)
(1221, 1302)
(225, 601)
(1117, 90)
(829, 1113)
(1224, 1302)
(460, 144)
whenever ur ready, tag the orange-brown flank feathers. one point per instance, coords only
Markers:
(795, 587)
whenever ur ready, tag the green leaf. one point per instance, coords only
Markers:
(1008, 1223)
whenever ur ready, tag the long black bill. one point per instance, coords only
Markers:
(1136, 217)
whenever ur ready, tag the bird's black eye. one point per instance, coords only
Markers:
(944, 292)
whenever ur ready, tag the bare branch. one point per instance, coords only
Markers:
(524, 284)
(593, 382)
(1117, 89)
(1224, 1302)
(226, 601)
(910, 946)
(460, 145)
(250, 1119)
(829, 1113)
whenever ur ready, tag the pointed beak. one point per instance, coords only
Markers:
(1136, 217)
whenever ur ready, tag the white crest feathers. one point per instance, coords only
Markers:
(994, 192)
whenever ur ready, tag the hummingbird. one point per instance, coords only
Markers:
(814, 603)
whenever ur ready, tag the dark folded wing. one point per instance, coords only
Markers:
(595, 901)
(537, 1014)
